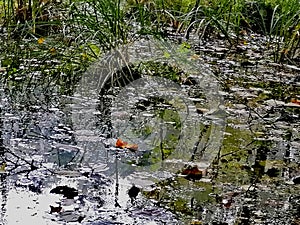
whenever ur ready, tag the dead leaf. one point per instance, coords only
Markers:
(192, 173)
(120, 143)
(124, 144)
(52, 51)
(55, 209)
(133, 147)
(295, 101)
(67, 192)
(228, 199)
(196, 222)
(133, 193)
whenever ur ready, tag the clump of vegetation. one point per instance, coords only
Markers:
(95, 26)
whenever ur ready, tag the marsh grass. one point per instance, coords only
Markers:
(31, 17)
(100, 22)
(98, 26)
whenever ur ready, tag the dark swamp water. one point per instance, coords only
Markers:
(217, 135)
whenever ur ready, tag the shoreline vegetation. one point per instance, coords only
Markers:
(90, 27)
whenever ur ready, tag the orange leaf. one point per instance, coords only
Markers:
(295, 101)
(133, 147)
(124, 144)
(192, 173)
(120, 143)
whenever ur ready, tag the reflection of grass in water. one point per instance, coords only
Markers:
(171, 117)
(235, 156)
(146, 68)
(186, 198)
(181, 196)
(171, 126)
(243, 160)
(172, 121)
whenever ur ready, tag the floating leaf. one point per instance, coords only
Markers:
(41, 40)
(243, 32)
(124, 144)
(192, 173)
(228, 199)
(196, 222)
(227, 202)
(133, 193)
(120, 143)
(295, 101)
(55, 209)
(133, 147)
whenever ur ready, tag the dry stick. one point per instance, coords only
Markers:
(32, 166)
(261, 117)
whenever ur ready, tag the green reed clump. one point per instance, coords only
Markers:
(277, 19)
(284, 28)
(103, 25)
(100, 22)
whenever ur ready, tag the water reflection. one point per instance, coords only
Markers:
(49, 139)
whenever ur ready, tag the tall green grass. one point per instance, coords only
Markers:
(28, 18)
(102, 25)
(279, 20)
(102, 22)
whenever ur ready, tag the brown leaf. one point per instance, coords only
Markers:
(120, 143)
(124, 144)
(192, 173)
(133, 147)
(295, 101)
(55, 209)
